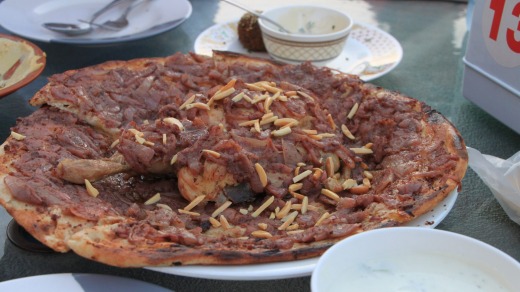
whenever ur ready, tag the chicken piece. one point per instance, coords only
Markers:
(77, 170)
(211, 182)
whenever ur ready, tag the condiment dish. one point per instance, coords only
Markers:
(317, 33)
(20, 63)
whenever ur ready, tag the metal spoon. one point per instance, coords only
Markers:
(72, 29)
(258, 15)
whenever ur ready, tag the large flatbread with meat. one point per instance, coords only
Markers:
(225, 160)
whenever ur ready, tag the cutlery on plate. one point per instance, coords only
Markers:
(72, 29)
(122, 21)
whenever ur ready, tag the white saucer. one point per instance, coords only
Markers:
(78, 283)
(292, 269)
(370, 52)
(148, 19)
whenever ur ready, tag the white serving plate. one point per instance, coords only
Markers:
(292, 269)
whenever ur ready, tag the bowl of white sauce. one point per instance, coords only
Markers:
(314, 33)
(414, 259)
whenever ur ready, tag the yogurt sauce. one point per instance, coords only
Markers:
(422, 273)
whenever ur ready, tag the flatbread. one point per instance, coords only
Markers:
(280, 161)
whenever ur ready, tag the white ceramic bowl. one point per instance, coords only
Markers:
(414, 259)
(317, 33)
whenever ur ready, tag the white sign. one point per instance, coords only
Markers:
(501, 31)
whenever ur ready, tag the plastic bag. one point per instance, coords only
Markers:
(502, 177)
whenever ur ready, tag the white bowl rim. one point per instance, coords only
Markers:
(507, 259)
(306, 37)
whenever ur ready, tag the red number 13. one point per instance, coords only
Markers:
(498, 7)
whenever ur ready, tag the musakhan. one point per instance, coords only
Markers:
(221, 160)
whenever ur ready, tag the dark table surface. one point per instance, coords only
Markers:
(433, 36)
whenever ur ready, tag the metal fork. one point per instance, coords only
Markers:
(119, 23)
(122, 21)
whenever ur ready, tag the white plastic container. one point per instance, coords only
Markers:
(492, 60)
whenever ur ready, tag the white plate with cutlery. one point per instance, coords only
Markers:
(151, 17)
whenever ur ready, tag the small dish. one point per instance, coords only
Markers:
(414, 259)
(20, 63)
(317, 33)
(370, 52)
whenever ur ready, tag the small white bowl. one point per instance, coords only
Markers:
(414, 259)
(317, 33)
